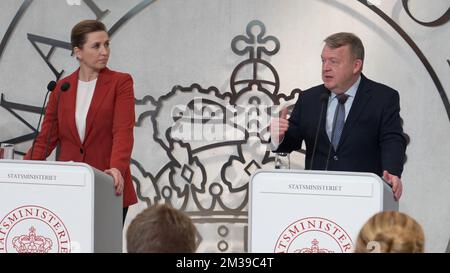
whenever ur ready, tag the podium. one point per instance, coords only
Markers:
(58, 207)
(294, 211)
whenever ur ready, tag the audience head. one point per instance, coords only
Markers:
(161, 229)
(390, 232)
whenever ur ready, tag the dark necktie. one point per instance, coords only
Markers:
(339, 120)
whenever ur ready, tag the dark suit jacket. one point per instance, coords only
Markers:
(372, 139)
(108, 140)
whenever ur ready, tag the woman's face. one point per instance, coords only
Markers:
(94, 54)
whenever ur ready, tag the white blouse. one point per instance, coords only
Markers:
(85, 92)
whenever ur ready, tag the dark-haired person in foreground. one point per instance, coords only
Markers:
(161, 229)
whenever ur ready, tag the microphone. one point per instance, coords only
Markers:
(341, 100)
(50, 87)
(64, 87)
(323, 101)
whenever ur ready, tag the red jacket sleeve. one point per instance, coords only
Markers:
(123, 125)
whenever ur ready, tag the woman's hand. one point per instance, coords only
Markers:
(118, 180)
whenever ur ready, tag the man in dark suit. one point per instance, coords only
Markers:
(349, 123)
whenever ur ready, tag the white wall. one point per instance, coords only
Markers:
(181, 42)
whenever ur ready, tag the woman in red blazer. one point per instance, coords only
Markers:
(94, 119)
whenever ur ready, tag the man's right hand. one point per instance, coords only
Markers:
(279, 126)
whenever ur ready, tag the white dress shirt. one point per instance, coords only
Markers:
(85, 92)
(332, 104)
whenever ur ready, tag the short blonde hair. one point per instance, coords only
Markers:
(391, 232)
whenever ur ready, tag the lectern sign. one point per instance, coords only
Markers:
(33, 229)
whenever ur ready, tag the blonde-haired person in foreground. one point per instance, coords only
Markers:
(161, 229)
(390, 232)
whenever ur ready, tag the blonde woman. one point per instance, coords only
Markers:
(390, 232)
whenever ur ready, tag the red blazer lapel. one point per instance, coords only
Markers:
(101, 90)
(71, 100)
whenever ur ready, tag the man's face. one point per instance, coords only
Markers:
(339, 68)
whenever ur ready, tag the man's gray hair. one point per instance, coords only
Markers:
(345, 38)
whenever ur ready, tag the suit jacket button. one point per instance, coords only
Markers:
(81, 151)
(335, 158)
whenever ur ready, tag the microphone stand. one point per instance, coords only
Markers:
(324, 98)
(50, 87)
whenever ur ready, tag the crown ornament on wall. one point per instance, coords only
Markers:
(213, 140)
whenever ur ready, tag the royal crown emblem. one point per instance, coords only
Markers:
(313, 249)
(32, 243)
